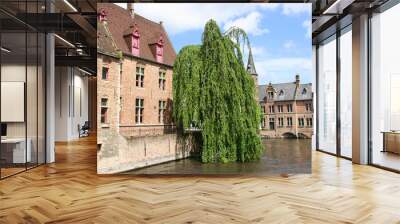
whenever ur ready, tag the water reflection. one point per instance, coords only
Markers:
(281, 156)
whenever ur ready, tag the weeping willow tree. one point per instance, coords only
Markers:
(186, 91)
(213, 91)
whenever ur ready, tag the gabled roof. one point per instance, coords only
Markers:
(119, 21)
(289, 90)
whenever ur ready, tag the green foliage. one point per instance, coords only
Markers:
(186, 83)
(212, 88)
(239, 37)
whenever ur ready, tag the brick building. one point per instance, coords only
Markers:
(134, 85)
(135, 79)
(286, 109)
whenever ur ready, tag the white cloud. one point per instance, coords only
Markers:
(289, 44)
(250, 23)
(283, 69)
(178, 17)
(296, 8)
(258, 50)
(307, 24)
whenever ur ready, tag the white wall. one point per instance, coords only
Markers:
(71, 102)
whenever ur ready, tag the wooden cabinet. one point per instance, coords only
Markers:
(391, 142)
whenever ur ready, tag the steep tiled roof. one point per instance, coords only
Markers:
(119, 21)
(287, 91)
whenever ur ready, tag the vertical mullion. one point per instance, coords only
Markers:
(37, 90)
(47, 5)
(316, 96)
(369, 90)
(26, 86)
(1, 53)
(338, 93)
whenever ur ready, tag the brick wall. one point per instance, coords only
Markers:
(150, 92)
(298, 111)
(123, 144)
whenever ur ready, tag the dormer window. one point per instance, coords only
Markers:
(132, 38)
(281, 93)
(270, 94)
(102, 15)
(304, 91)
(135, 47)
(160, 50)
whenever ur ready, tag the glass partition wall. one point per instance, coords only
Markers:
(385, 89)
(345, 93)
(327, 95)
(22, 77)
(334, 94)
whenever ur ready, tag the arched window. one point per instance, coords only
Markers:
(281, 92)
(304, 91)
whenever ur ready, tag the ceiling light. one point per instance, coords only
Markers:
(70, 5)
(64, 40)
(5, 50)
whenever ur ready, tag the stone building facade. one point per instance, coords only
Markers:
(134, 69)
(287, 109)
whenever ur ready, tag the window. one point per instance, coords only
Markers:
(120, 108)
(139, 76)
(308, 107)
(327, 95)
(385, 88)
(281, 93)
(301, 122)
(304, 91)
(104, 110)
(272, 123)
(161, 110)
(345, 83)
(289, 108)
(263, 122)
(104, 73)
(161, 80)
(139, 111)
(271, 109)
(270, 95)
(309, 122)
(263, 109)
(280, 108)
(280, 121)
(289, 122)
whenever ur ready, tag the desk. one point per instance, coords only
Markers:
(16, 147)
(391, 141)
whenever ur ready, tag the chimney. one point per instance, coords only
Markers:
(102, 16)
(131, 10)
(297, 79)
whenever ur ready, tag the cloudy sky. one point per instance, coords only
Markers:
(280, 34)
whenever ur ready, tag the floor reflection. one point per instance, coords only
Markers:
(386, 159)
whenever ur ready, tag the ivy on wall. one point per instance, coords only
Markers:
(213, 91)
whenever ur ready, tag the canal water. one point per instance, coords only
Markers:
(281, 156)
